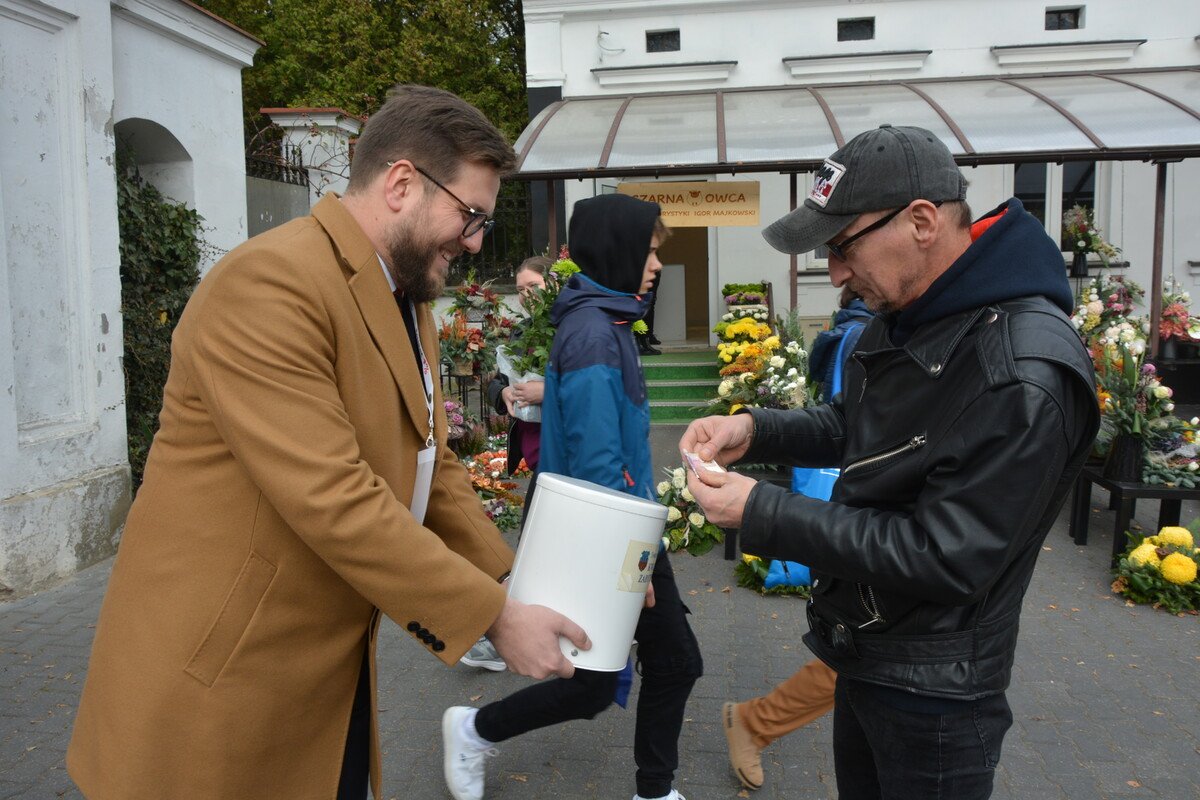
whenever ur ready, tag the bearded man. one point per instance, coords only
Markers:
(299, 486)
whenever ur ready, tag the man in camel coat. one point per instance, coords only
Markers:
(298, 487)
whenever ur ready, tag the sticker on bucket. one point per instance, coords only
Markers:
(638, 567)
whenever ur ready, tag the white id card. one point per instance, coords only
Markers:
(424, 483)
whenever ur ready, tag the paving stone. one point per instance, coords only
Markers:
(1080, 730)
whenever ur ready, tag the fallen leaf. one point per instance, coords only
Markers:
(521, 778)
(1134, 784)
(1159, 713)
(743, 793)
(727, 590)
(774, 615)
(1052, 608)
(1047, 548)
(1075, 610)
(711, 589)
(692, 592)
(475, 698)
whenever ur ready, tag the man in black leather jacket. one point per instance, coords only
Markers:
(969, 406)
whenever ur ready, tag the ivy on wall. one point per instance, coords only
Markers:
(161, 246)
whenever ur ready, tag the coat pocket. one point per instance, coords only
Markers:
(232, 620)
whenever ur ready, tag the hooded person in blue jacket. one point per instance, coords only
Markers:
(596, 426)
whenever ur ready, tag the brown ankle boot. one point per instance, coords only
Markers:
(743, 754)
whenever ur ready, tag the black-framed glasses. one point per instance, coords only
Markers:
(838, 250)
(476, 220)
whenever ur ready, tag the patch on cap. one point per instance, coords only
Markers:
(826, 181)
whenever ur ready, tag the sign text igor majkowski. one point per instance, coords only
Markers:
(700, 204)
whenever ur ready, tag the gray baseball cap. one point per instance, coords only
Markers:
(885, 168)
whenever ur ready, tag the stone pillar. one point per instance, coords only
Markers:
(321, 137)
(64, 472)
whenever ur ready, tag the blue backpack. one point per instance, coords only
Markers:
(811, 482)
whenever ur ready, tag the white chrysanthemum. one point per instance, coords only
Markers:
(746, 377)
(696, 519)
(1137, 347)
(777, 362)
(663, 487)
(673, 514)
(725, 387)
(679, 473)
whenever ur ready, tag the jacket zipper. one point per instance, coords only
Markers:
(869, 605)
(915, 443)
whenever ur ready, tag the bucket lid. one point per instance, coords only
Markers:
(596, 494)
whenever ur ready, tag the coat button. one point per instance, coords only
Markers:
(936, 368)
(413, 627)
(993, 317)
(439, 646)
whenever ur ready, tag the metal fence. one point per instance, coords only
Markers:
(508, 244)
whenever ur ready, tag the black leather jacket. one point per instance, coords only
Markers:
(957, 452)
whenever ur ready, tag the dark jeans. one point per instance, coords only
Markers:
(669, 662)
(885, 753)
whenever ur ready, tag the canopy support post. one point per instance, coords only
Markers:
(793, 259)
(1156, 276)
(552, 211)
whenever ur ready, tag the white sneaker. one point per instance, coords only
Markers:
(483, 655)
(462, 759)
(674, 795)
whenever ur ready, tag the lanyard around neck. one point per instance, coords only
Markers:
(426, 374)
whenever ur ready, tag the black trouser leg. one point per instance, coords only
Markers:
(669, 662)
(547, 703)
(356, 762)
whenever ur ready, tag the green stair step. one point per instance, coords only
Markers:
(675, 411)
(697, 390)
(685, 356)
(683, 371)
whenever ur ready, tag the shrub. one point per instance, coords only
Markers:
(160, 252)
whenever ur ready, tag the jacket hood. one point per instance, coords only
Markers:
(583, 292)
(610, 237)
(1013, 257)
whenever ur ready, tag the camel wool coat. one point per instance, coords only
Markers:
(271, 529)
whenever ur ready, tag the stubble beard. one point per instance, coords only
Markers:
(412, 264)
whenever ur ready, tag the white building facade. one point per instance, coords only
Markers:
(595, 48)
(76, 75)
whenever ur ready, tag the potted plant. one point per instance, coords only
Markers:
(1134, 403)
(1161, 570)
(1176, 326)
(1081, 236)
(462, 345)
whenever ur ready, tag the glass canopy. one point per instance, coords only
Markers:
(1120, 115)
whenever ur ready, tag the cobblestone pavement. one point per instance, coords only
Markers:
(1105, 696)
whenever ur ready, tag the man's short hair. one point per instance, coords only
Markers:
(433, 128)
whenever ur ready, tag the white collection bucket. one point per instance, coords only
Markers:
(587, 552)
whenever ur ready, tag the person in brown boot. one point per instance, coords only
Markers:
(754, 724)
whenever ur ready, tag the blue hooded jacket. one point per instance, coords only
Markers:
(595, 413)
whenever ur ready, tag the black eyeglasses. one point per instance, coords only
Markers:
(838, 250)
(476, 220)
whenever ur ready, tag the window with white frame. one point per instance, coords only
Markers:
(1048, 190)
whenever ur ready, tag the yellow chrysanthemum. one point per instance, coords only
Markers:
(1144, 554)
(749, 559)
(771, 342)
(1178, 568)
(733, 409)
(1176, 536)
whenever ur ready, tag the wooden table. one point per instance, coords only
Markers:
(1124, 495)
